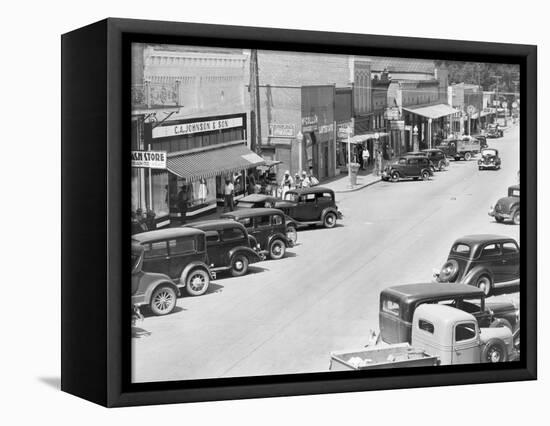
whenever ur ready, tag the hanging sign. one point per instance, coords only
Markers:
(149, 159)
(196, 127)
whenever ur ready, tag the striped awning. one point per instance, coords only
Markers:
(433, 111)
(212, 161)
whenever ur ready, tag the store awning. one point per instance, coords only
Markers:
(363, 138)
(212, 161)
(433, 111)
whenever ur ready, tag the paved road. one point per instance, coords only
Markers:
(288, 315)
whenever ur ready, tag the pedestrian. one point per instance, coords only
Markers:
(306, 183)
(203, 191)
(359, 154)
(229, 191)
(183, 199)
(297, 181)
(286, 183)
(366, 158)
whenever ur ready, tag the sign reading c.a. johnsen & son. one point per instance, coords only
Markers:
(149, 159)
(196, 127)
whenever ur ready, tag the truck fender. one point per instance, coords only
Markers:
(247, 251)
(189, 268)
(156, 283)
(472, 276)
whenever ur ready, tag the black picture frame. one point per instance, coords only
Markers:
(95, 181)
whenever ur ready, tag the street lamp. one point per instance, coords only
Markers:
(299, 138)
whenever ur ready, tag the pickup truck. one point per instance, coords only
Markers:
(441, 335)
(463, 147)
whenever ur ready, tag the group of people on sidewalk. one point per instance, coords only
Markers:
(302, 180)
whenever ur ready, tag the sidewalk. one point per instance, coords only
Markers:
(341, 183)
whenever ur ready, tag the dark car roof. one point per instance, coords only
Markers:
(256, 198)
(419, 291)
(482, 238)
(215, 224)
(162, 234)
(409, 156)
(311, 190)
(251, 212)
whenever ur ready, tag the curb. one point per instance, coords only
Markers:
(359, 187)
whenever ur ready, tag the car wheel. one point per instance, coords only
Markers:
(291, 233)
(163, 300)
(449, 271)
(484, 283)
(501, 322)
(330, 220)
(494, 351)
(467, 156)
(395, 176)
(277, 249)
(197, 282)
(239, 265)
(441, 165)
(515, 217)
(425, 175)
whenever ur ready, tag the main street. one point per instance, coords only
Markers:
(288, 315)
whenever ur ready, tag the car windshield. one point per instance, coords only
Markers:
(490, 152)
(291, 196)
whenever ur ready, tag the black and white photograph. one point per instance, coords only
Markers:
(300, 212)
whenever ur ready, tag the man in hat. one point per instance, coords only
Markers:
(228, 192)
(182, 203)
(306, 183)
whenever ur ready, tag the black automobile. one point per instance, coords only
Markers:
(408, 167)
(179, 253)
(489, 159)
(485, 261)
(482, 140)
(311, 206)
(494, 131)
(229, 246)
(267, 226)
(436, 156)
(507, 208)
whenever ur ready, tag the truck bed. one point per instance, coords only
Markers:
(399, 355)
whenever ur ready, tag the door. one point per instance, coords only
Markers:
(262, 230)
(305, 209)
(491, 257)
(510, 260)
(213, 244)
(412, 168)
(324, 200)
(465, 343)
(183, 251)
(156, 257)
(231, 238)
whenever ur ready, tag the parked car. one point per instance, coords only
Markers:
(489, 159)
(463, 147)
(482, 141)
(507, 208)
(267, 226)
(494, 131)
(485, 261)
(311, 206)
(398, 303)
(436, 156)
(229, 246)
(179, 253)
(408, 167)
(154, 291)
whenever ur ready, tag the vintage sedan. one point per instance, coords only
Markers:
(437, 158)
(398, 303)
(408, 167)
(494, 131)
(267, 226)
(507, 208)
(489, 262)
(153, 291)
(179, 253)
(229, 246)
(311, 206)
(489, 159)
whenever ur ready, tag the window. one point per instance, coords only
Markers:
(310, 198)
(461, 249)
(413, 161)
(426, 326)
(390, 307)
(277, 220)
(490, 250)
(155, 249)
(402, 161)
(182, 245)
(291, 196)
(325, 196)
(513, 193)
(212, 236)
(465, 331)
(509, 248)
(263, 221)
(246, 221)
(232, 234)
(472, 306)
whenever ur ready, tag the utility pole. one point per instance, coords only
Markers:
(256, 135)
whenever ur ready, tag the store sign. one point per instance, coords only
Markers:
(342, 130)
(310, 123)
(281, 131)
(149, 159)
(326, 128)
(196, 127)
(397, 125)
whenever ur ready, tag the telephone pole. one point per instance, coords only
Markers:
(256, 132)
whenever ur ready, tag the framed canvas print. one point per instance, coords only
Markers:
(275, 212)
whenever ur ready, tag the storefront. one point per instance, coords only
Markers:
(431, 122)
